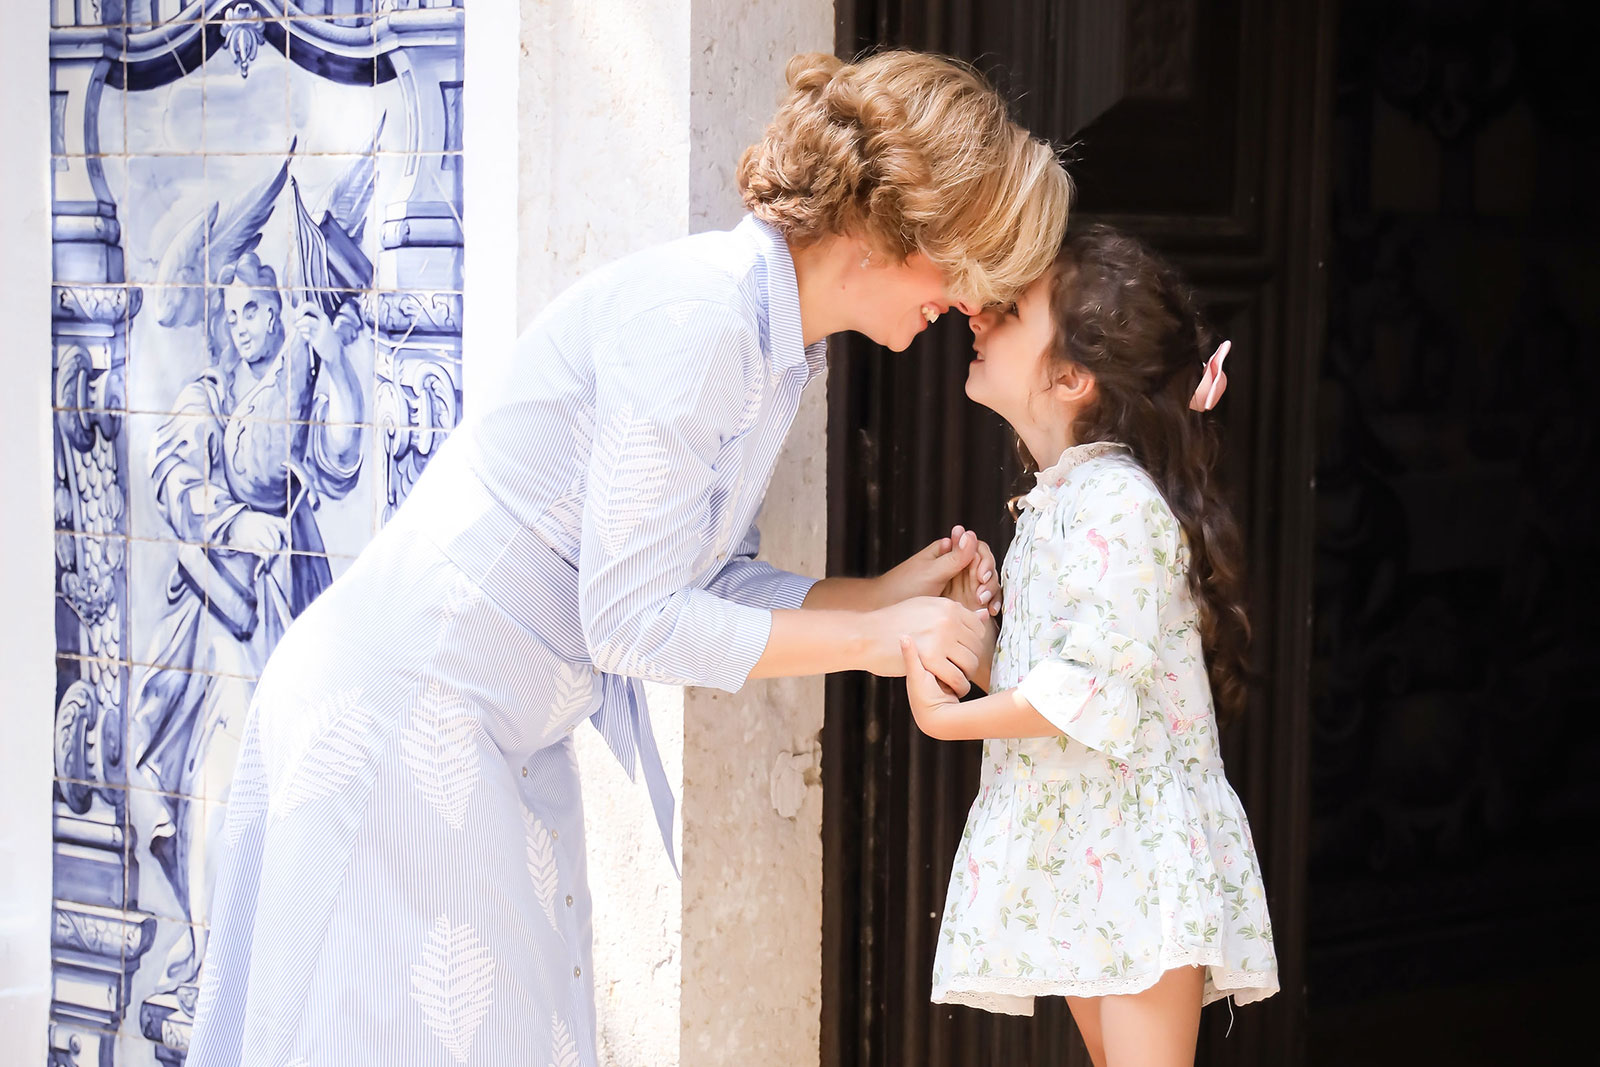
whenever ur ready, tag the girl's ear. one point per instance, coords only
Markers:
(1074, 386)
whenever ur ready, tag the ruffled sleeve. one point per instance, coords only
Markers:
(1100, 572)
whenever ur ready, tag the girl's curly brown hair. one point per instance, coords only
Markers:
(1124, 315)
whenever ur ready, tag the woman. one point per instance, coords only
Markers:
(405, 879)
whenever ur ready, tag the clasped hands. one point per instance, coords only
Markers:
(941, 605)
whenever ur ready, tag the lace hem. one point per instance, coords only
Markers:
(1006, 994)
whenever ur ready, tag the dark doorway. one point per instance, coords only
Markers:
(1389, 207)
(1193, 121)
(1455, 735)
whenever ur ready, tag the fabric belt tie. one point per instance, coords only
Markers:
(526, 578)
(623, 719)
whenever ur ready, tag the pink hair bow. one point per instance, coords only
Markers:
(1213, 383)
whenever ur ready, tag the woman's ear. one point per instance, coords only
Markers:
(1074, 386)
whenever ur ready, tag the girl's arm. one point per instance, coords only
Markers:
(942, 716)
(1102, 564)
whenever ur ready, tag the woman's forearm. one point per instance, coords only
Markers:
(815, 641)
(845, 594)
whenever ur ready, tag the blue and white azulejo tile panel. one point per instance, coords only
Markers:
(257, 346)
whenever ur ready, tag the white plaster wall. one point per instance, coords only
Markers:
(752, 887)
(490, 137)
(602, 171)
(604, 131)
(27, 690)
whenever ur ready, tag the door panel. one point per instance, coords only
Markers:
(1180, 114)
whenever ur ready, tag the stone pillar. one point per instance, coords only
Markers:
(632, 118)
(27, 639)
(752, 805)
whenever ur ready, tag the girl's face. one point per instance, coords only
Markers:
(1010, 368)
(901, 295)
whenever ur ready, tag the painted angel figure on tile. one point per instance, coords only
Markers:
(252, 448)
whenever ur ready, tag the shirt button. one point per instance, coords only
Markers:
(555, 835)
(569, 900)
(593, 669)
(577, 972)
(524, 772)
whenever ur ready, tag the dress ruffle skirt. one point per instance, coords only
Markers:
(1099, 881)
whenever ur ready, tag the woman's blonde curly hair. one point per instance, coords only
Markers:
(913, 152)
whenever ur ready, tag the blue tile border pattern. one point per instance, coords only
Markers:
(257, 223)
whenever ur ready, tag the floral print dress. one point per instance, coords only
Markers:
(1095, 861)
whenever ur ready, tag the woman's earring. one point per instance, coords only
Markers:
(866, 259)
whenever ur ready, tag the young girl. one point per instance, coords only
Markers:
(1106, 859)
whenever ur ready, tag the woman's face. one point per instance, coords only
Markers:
(902, 299)
(1010, 366)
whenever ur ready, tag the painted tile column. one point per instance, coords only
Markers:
(97, 937)
(256, 348)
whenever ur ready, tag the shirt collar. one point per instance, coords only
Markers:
(1053, 477)
(783, 301)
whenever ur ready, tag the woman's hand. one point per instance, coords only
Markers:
(931, 571)
(948, 638)
(975, 587)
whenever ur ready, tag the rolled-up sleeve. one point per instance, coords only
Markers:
(745, 580)
(670, 390)
(1099, 584)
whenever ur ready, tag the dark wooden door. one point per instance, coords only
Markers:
(1202, 126)
(1454, 725)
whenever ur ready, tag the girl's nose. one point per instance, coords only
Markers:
(968, 308)
(978, 320)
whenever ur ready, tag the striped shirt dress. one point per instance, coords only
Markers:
(402, 875)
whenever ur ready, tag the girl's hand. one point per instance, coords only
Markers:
(929, 572)
(976, 587)
(949, 639)
(928, 698)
